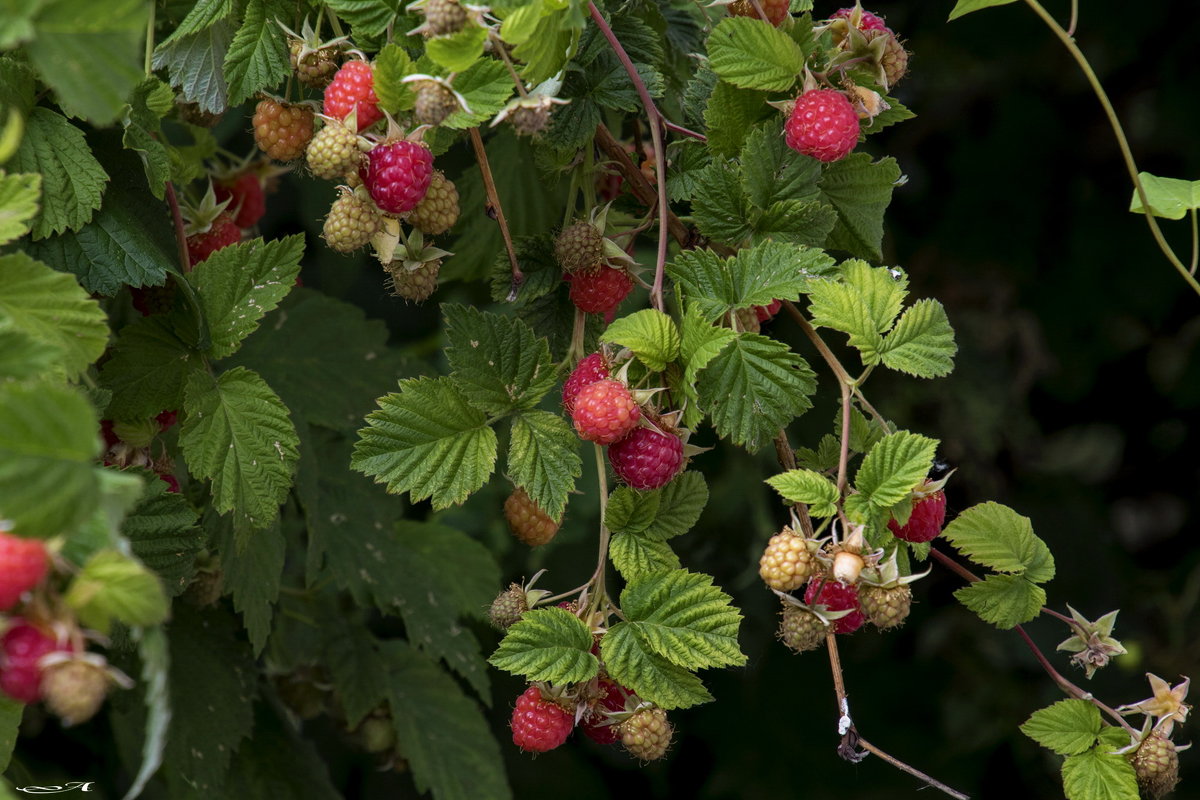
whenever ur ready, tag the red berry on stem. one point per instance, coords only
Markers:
(823, 124)
(836, 597)
(21, 648)
(397, 175)
(605, 412)
(23, 564)
(354, 85)
(245, 195)
(282, 130)
(586, 372)
(869, 21)
(925, 522)
(646, 458)
(539, 724)
(223, 232)
(600, 291)
(595, 723)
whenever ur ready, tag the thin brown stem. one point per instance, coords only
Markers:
(916, 773)
(641, 188)
(844, 454)
(671, 126)
(500, 49)
(185, 261)
(787, 459)
(830, 359)
(496, 211)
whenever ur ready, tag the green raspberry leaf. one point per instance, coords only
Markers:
(368, 17)
(113, 586)
(1098, 774)
(808, 487)
(51, 308)
(659, 514)
(700, 344)
(1068, 727)
(499, 364)
(754, 387)
(22, 356)
(893, 467)
(1003, 600)
(796, 221)
(863, 304)
(486, 86)
(148, 369)
(48, 445)
(637, 557)
(72, 179)
(258, 56)
(752, 55)
(543, 457)
(631, 662)
(391, 66)
(162, 533)
(193, 65)
(237, 433)
(239, 284)
(251, 571)
(650, 334)
(860, 190)
(19, 202)
(358, 671)
(730, 115)
(684, 618)
(999, 538)
(719, 208)
(457, 51)
(428, 440)
(772, 171)
(964, 7)
(204, 14)
(1170, 198)
(922, 343)
(547, 644)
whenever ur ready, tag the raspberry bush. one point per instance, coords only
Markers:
(310, 343)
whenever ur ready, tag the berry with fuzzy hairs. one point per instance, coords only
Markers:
(353, 87)
(438, 210)
(434, 103)
(220, 234)
(351, 223)
(868, 22)
(836, 597)
(646, 458)
(579, 248)
(314, 67)
(647, 734)
(507, 608)
(415, 285)
(605, 412)
(397, 175)
(539, 724)
(445, 17)
(282, 130)
(885, 607)
(776, 10)
(529, 120)
(526, 519)
(21, 648)
(596, 723)
(823, 124)
(1156, 765)
(786, 562)
(925, 522)
(23, 564)
(75, 689)
(895, 57)
(800, 629)
(600, 292)
(245, 195)
(586, 372)
(333, 152)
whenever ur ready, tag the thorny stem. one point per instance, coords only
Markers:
(638, 184)
(660, 156)
(1063, 683)
(496, 211)
(1122, 142)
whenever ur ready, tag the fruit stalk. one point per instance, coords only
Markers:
(489, 185)
(638, 184)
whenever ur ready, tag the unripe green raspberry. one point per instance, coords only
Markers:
(885, 607)
(579, 248)
(74, 690)
(333, 152)
(434, 103)
(351, 223)
(417, 284)
(800, 629)
(508, 607)
(647, 734)
(895, 57)
(529, 120)
(438, 210)
(313, 67)
(1156, 765)
(445, 17)
(786, 562)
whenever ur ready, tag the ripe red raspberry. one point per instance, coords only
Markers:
(586, 372)
(527, 521)
(646, 458)
(23, 564)
(166, 419)
(333, 152)
(539, 724)
(766, 312)
(1155, 765)
(222, 233)
(823, 124)
(836, 597)
(171, 481)
(800, 629)
(885, 607)
(605, 412)
(869, 21)
(647, 734)
(22, 646)
(776, 10)
(351, 223)
(282, 130)
(75, 689)
(246, 199)
(397, 175)
(786, 562)
(596, 723)
(579, 248)
(353, 86)
(601, 291)
(438, 210)
(925, 522)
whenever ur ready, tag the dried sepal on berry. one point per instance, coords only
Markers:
(413, 269)
(1091, 644)
(313, 61)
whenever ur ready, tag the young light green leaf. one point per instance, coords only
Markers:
(486, 86)
(237, 433)
(922, 343)
(637, 557)
(51, 307)
(650, 334)
(499, 363)
(754, 387)
(1099, 774)
(162, 533)
(115, 587)
(860, 190)
(964, 7)
(631, 662)
(893, 467)
(457, 51)
(684, 618)
(1003, 600)
(658, 514)
(390, 68)
(863, 305)
(1169, 198)
(258, 56)
(543, 457)
(72, 179)
(239, 284)
(808, 487)
(751, 55)
(549, 47)
(428, 440)
(1068, 727)
(547, 644)
(22, 356)
(48, 445)
(700, 341)
(148, 369)
(999, 538)
(19, 196)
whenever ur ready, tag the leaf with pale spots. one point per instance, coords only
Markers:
(499, 363)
